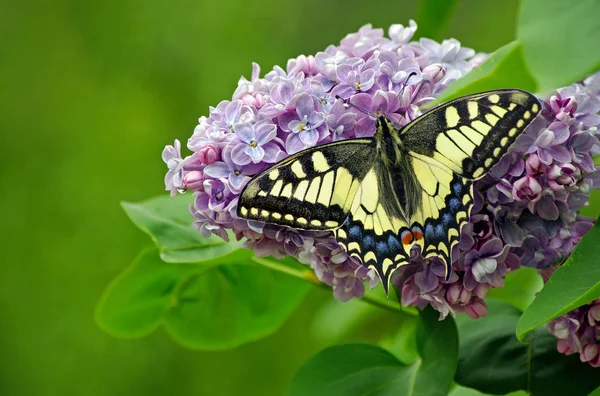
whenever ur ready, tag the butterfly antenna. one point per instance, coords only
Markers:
(405, 84)
(423, 83)
(348, 104)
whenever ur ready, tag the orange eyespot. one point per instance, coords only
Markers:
(407, 237)
(417, 233)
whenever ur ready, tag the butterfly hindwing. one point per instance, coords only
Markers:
(447, 199)
(375, 231)
(383, 239)
(312, 189)
(470, 134)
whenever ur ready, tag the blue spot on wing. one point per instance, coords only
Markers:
(429, 231)
(447, 219)
(382, 249)
(368, 242)
(394, 244)
(440, 231)
(454, 204)
(355, 232)
(457, 188)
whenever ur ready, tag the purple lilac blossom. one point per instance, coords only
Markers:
(525, 211)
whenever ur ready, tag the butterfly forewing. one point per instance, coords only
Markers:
(313, 189)
(470, 134)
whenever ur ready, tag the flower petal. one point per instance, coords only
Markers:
(245, 132)
(239, 156)
(217, 170)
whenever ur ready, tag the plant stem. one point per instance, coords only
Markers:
(309, 276)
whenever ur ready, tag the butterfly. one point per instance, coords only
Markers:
(402, 187)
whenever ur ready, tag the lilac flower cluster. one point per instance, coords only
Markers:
(289, 110)
(579, 332)
(525, 210)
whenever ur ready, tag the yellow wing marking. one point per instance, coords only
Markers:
(452, 117)
(481, 127)
(287, 191)
(274, 174)
(459, 139)
(320, 162)
(326, 189)
(494, 98)
(500, 111)
(471, 134)
(370, 191)
(313, 190)
(301, 190)
(297, 169)
(277, 188)
(448, 150)
(491, 119)
(473, 109)
(342, 187)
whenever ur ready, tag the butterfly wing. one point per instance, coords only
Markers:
(344, 187)
(376, 231)
(470, 134)
(450, 146)
(446, 203)
(313, 189)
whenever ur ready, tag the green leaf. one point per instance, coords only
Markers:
(208, 307)
(560, 40)
(492, 360)
(575, 283)
(437, 343)
(134, 303)
(464, 391)
(504, 69)
(593, 209)
(520, 288)
(334, 320)
(359, 369)
(167, 220)
(169, 223)
(403, 344)
(433, 16)
(595, 392)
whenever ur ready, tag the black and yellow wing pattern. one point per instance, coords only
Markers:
(470, 134)
(313, 189)
(383, 195)
(456, 143)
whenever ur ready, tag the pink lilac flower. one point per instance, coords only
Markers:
(525, 209)
(579, 332)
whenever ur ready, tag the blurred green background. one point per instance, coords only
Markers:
(90, 94)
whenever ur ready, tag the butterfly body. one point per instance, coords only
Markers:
(383, 195)
(396, 164)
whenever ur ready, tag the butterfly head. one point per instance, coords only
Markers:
(384, 130)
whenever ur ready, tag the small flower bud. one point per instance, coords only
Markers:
(194, 181)
(476, 309)
(563, 347)
(208, 154)
(589, 352)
